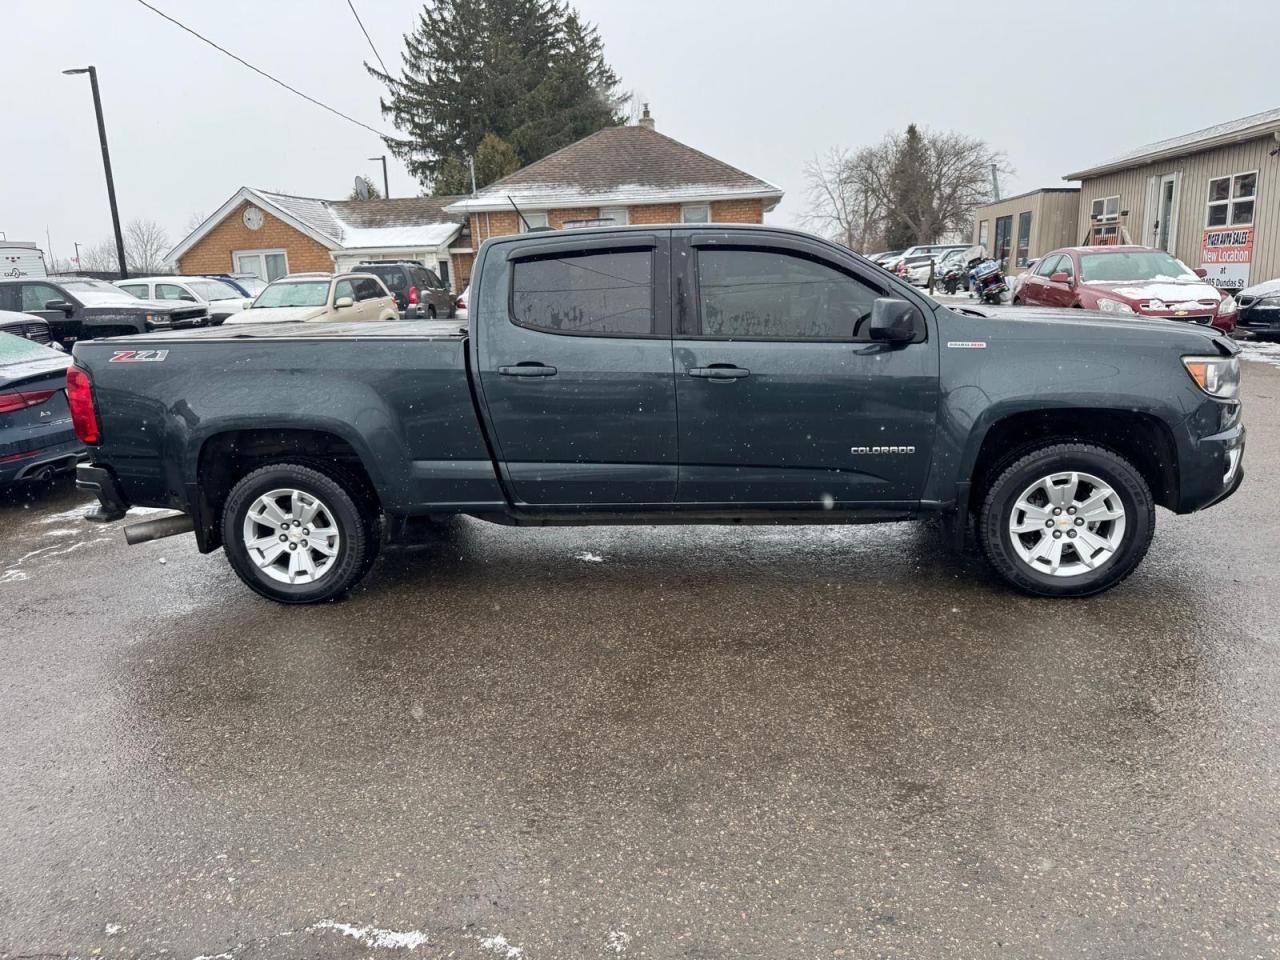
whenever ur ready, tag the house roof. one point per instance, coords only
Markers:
(345, 224)
(1222, 134)
(632, 164)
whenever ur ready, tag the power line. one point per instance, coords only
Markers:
(260, 72)
(367, 37)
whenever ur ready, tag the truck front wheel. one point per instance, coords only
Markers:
(296, 534)
(1067, 520)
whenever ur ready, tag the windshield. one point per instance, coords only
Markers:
(17, 350)
(213, 290)
(313, 293)
(1124, 267)
(97, 291)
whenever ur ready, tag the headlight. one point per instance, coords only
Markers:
(1113, 306)
(1217, 376)
(1227, 306)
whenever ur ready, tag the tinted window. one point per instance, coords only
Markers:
(368, 289)
(593, 293)
(36, 295)
(394, 277)
(767, 293)
(432, 279)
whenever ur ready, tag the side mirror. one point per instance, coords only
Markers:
(1201, 272)
(62, 305)
(1060, 277)
(894, 321)
(342, 303)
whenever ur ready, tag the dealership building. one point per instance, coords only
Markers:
(1210, 198)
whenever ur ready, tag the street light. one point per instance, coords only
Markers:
(106, 162)
(386, 190)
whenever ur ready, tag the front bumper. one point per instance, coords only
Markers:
(112, 504)
(1212, 465)
(1260, 320)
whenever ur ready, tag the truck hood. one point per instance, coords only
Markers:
(278, 314)
(1169, 292)
(1060, 323)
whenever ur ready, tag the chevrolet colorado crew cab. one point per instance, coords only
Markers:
(671, 374)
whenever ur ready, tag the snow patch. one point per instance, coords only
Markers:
(111, 929)
(215, 956)
(376, 937)
(589, 557)
(1261, 353)
(499, 946)
(62, 532)
(617, 941)
(12, 576)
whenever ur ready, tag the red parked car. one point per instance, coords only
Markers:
(1127, 280)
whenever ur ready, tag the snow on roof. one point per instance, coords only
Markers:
(1245, 128)
(620, 165)
(402, 222)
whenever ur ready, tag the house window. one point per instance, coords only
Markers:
(695, 213)
(1024, 239)
(1105, 207)
(266, 265)
(1004, 228)
(442, 268)
(984, 230)
(618, 216)
(533, 220)
(1231, 200)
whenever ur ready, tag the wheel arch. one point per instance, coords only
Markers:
(227, 455)
(1140, 437)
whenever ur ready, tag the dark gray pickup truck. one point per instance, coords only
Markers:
(666, 375)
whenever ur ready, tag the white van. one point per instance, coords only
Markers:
(18, 260)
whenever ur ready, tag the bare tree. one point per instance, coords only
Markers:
(145, 244)
(926, 183)
(840, 206)
(194, 219)
(99, 258)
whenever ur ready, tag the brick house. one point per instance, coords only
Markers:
(629, 174)
(617, 175)
(273, 234)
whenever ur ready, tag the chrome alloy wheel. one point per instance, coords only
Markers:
(291, 536)
(1067, 524)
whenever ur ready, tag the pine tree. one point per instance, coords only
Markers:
(910, 193)
(528, 72)
(495, 158)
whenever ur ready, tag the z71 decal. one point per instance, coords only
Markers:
(139, 356)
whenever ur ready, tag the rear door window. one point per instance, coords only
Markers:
(592, 294)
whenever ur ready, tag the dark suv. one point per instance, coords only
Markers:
(419, 293)
(79, 308)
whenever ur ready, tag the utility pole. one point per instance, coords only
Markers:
(995, 184)
(106, 163)
(78, 266)
(386, 188)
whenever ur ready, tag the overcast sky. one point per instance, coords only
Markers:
(760, 84)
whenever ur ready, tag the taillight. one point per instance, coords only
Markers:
(462, 303)
(413, 296)
(80, 399)
(11, 402)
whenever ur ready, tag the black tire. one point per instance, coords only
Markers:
(357, 522)
(431, 313)
(1107, 466)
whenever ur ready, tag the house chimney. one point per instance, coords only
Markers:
(645, 119)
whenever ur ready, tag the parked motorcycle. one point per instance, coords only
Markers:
(952, 275)
(987, 281)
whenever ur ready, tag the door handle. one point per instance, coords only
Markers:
(528, 368)
(719, 371)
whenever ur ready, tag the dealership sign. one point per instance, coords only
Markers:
(1226, 252)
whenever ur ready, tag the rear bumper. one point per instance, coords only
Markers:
(112, 504)
(37, 463)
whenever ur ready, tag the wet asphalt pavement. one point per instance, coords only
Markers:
(643, 742)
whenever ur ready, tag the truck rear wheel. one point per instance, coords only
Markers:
(1067, 520)
(296, 534)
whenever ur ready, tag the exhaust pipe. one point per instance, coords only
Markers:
(158, 529)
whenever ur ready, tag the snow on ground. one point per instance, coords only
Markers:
(1261, 352)
(500, 947)
(375, 937)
